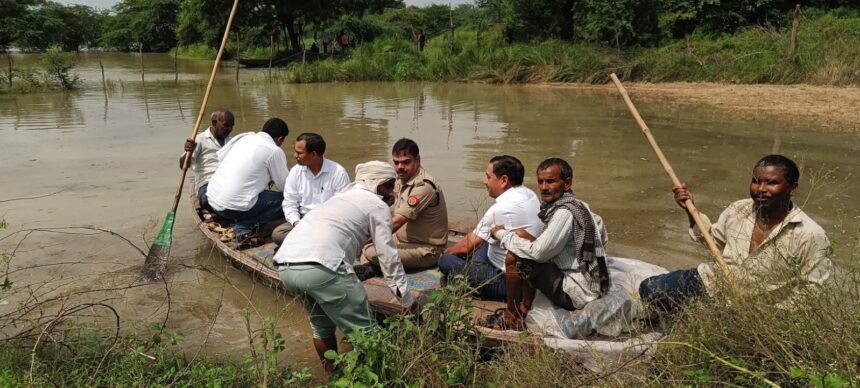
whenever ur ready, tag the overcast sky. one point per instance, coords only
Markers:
(110, 3)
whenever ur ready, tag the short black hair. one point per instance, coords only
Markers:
(510, 166)
(313, 142)
(405, 145)
(276, 128)
(789, 168)
(563, 167)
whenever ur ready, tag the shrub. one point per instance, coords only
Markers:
(58, 67)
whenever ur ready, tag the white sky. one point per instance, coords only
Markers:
(110, 3)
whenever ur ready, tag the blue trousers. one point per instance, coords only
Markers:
(267, 208)
(202, 198)
(669, 291)
(480, 273)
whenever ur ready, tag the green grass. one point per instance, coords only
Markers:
(828, 55)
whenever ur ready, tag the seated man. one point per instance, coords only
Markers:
(516, 207)
(204, 150)
(316, 261)
(420, 214)
(567, 262)
(248, 163)
(770, 246)
(312, 182)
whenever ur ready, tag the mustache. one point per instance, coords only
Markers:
(545, 193)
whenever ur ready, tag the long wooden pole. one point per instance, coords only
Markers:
(691, 208)
(160, 250)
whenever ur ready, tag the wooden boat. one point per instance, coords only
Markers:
(258, 263)
(597, 354)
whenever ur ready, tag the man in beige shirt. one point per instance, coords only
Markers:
(420, 219)
(771, 247)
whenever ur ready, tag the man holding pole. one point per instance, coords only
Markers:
(770, 246)
(204, 152)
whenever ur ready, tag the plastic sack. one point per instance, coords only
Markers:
(611, 315)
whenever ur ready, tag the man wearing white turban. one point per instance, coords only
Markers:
(316, 259)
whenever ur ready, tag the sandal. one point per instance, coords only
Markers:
(247, 241)
(496, 320)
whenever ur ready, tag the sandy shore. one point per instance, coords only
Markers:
(826, 107)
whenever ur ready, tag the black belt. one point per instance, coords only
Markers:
(297, 263)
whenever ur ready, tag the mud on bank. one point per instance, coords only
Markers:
(828, 108)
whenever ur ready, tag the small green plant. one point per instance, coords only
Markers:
(437, 348)
(5, 260)
(58, 66)
(266, 344)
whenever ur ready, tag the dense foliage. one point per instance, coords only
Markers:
(159, 25)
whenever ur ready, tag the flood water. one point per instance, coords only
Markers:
(109, 160)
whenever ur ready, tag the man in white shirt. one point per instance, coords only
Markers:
(567, 262)
(247, 164)
(204, 149)
(516, 207)
(312, 182)
(317, 257)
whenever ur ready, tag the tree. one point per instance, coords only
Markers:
(150, 23)
(11, 12)
(203, 21)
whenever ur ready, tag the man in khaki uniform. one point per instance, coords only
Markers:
(420, 220)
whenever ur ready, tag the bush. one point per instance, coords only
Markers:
(58, 67)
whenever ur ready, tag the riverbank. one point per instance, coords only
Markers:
(830, 108)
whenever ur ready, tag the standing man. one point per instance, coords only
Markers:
(516, 207)
(316, 260)
(771, 247)
(313, 181)
(248, 163)
(204, 149)
(567, 262)
(420, 214)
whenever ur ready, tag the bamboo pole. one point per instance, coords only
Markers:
(691, 208)
(159, 252)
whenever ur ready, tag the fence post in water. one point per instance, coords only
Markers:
(9, 59)
(238, 54)
(795, 24)
(271, 52)
(176, 66)
(102, 67)
(140, 50)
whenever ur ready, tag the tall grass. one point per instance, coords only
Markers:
(828, 55)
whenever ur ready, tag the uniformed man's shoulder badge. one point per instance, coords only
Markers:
(413, 200)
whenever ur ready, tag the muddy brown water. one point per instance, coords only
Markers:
(109, 159)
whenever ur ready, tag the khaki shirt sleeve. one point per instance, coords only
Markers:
(411, 205)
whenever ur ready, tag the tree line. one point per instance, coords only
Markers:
(160, 25)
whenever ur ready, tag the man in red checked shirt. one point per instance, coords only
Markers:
(420, 215)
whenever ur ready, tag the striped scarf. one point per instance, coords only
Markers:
(590, 251)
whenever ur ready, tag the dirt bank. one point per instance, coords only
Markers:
(826, 107)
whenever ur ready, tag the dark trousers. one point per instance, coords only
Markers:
(547, 278)
(267, 208)
(203, 199)
(479, 273)
(669, 291)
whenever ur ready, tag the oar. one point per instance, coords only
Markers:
(153, 268)
(718, 256)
